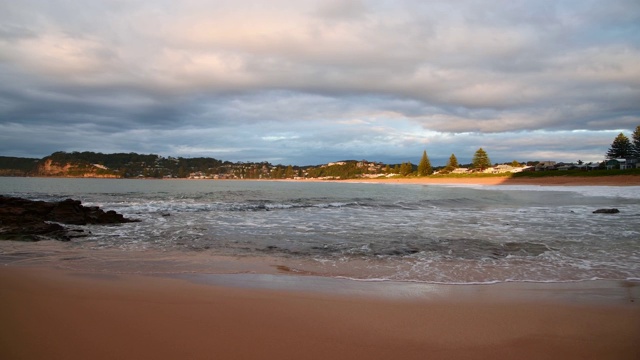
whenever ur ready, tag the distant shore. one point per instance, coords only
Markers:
(618, 180)
(612, 180)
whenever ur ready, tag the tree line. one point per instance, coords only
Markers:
(130, 165)
(480, 162)
(623, 148)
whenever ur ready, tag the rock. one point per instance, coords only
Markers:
(68, 212)
(606, 211)
(28, 220)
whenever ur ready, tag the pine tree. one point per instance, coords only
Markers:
(481, 160)
(635, 143)
(406, 168)
(453, 163)
(288, 174)
(620, 148)
(424, 167)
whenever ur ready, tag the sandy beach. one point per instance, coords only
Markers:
(54, 314)
(619, 180)
(144, 304)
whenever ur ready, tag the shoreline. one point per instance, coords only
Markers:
(59, 302)
(57, 314)
(618, 180)
(560, 180)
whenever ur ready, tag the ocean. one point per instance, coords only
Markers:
(364, 231)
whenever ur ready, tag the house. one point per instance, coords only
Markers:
(502, 169)
(546, 165)
(622, 164)
(591, 166)
(564, 166)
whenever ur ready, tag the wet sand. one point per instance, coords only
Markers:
(55, 314)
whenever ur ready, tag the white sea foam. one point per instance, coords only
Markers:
(434, 234)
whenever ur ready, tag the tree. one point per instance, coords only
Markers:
(635, 144)
(288, 174)
(453, 162)
(481, 160)
(620, 148)
(451, 165)
(424, 167)
(406, 168)
(515, 164)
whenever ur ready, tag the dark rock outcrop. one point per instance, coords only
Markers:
(606, 211)
(28, 220)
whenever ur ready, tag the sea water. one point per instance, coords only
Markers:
(366, 231)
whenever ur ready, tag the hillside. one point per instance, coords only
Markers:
(124, 165)
(15, 166)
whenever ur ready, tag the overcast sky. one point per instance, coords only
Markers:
(308, 82)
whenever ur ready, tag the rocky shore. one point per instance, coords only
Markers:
(29, 220)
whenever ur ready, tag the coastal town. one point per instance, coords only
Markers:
(154, 166)
(623, 154)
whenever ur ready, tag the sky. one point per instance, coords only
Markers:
(306, 82)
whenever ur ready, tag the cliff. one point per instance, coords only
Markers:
(48, 167)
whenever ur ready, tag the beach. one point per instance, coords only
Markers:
(221, 275)
(53, 314)
(618, 180)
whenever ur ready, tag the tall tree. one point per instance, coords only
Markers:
(288, 174)
(451, 165)
(424, 167)
(481, 160)
(453, 162)
(635, 143)
(620, 148)
(406, 168)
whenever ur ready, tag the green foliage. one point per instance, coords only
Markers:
(347, 171)
(289, 174)
(452, 164)
(424, 167)
(620, 148)
(15, 166)
(481, 160)
(406, 168)
(134, 165)
(635, 143)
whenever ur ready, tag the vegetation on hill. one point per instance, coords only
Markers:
(133, 165)
(15, 166)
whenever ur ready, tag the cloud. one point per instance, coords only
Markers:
(305, 81)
